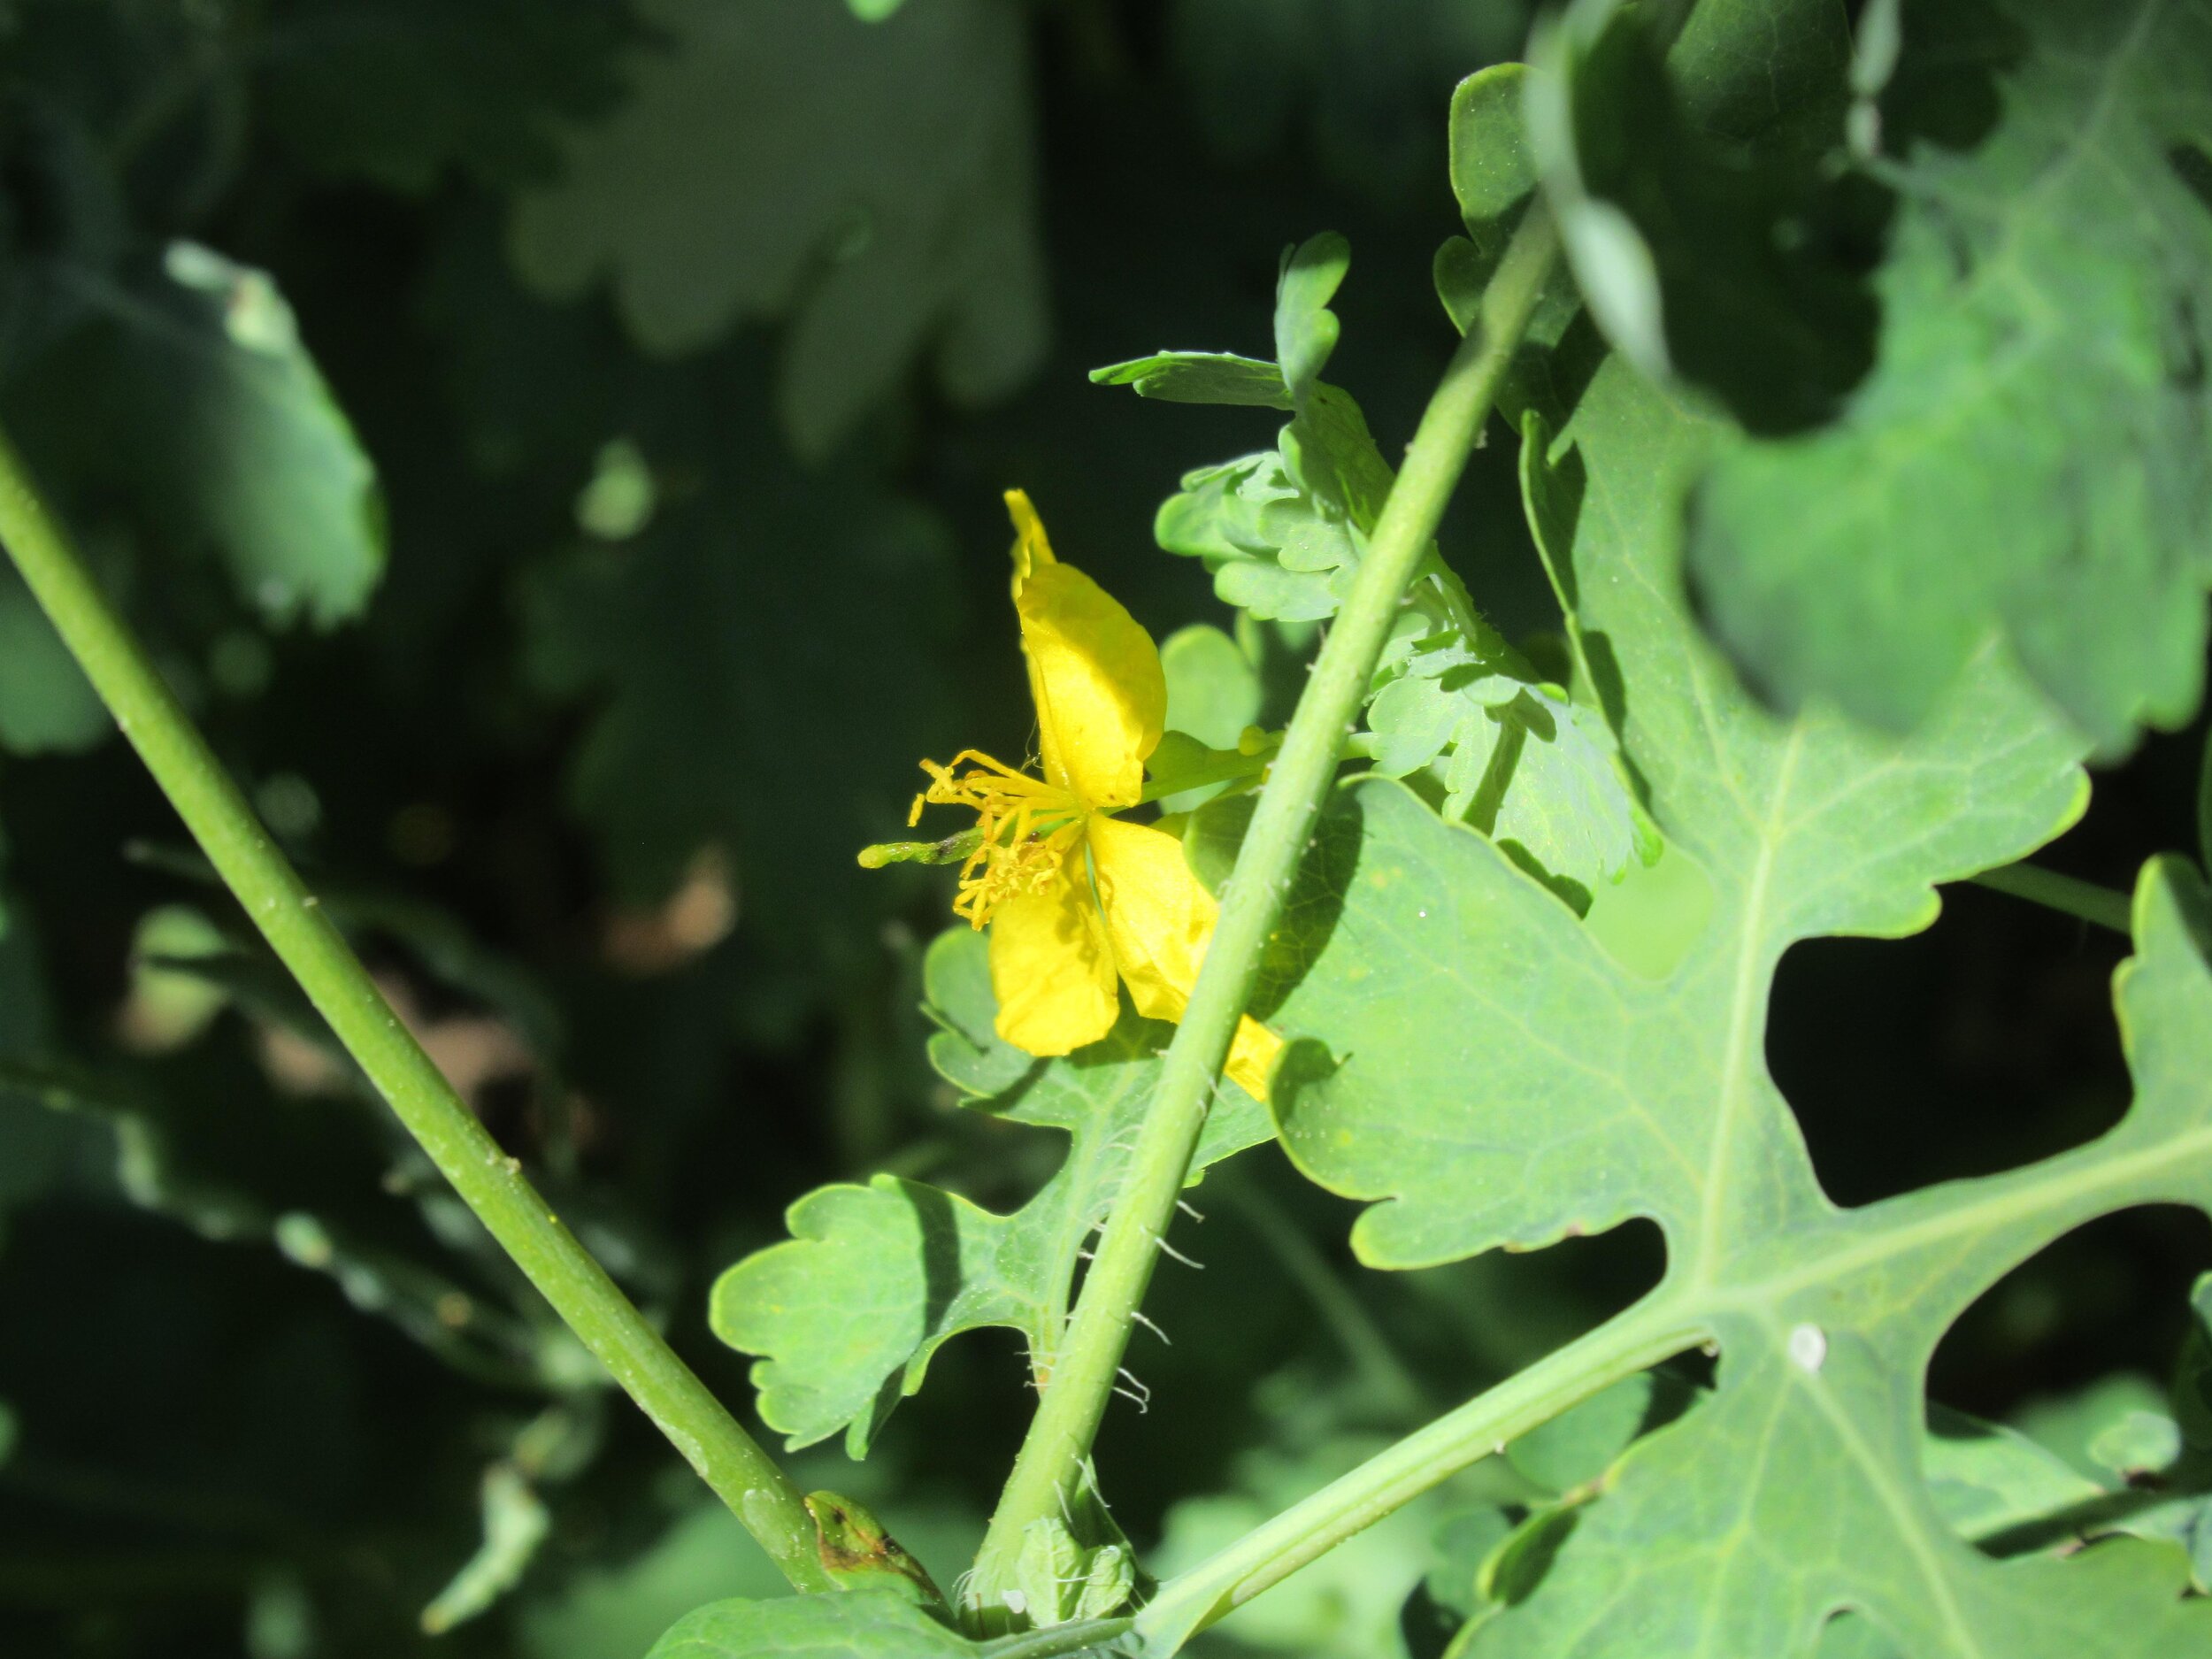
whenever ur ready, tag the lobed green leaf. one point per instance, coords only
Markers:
(849, 1625)
(1493, 1075)
(1199, 377)
(46, 703)
(715, 726)
(188, 393)
(847, 1313)
(872, 182)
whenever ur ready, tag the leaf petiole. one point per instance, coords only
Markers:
(1075, 1637)
(2100, 906)
(1269, 1553)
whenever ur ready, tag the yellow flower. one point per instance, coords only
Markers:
(1076, 898)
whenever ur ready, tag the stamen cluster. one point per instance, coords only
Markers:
(1028, 827)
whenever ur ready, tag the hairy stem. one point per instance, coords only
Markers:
(2083, 899)
(1053, 1456)
(307, 942)
(1620, 1347)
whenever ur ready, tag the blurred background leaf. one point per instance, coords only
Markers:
(194, 408)
(396, 92)
(872, 183)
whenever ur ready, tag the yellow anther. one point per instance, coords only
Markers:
(1028, 827)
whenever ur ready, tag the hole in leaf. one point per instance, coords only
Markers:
(2185, 339)
(1648, 919)
(1760, 258)
(1985, 1043)
(1325, 1351)
(2111, 1295)
(1518, 1569)
(1945, 91)
(1499, 1553)
(1505, 1309)
(1566, 1457)
(2194, 163)
(2051, 1416)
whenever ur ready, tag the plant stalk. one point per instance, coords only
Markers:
(2087, 902)
(1078, 1636)
(310, 945)
(1052, 1460)
(1263, 1558)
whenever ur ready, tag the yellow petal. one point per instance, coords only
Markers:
(1250, 1054)
(1159, 917)
(1095, 675)
(1031, 546)
(1051, 966)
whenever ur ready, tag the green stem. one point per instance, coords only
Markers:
(1052, 1462)
(1077, 1636)
(2084, 899)
(310, 945)
(1620, 1347)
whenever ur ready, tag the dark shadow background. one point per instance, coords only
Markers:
(586, 781)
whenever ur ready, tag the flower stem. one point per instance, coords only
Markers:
(307, 942)
(1052, 1462)
(1216, 1586)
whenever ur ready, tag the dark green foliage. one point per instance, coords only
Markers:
(871, 184)
(196, 410)
(2010, 499)
(717, 723)
(397, 92)
(2027, 189)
